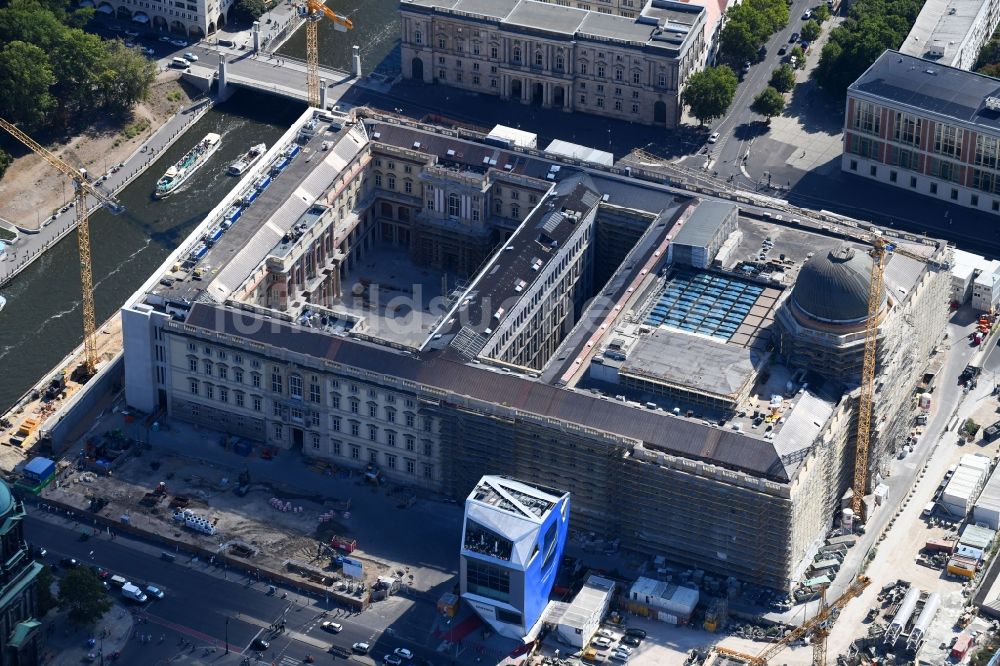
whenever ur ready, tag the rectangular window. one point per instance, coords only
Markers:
(276, 409)
(411, 442)
(314, 394)
(974, 200)
(315, 441)
(335, 424)
(390, 461)
(355, 406)
(295, 387)
(193, 364)
(258, 405)
(954, 194)
(356, 452)
(487, 580)
(255, 379)
(892, 176)
(907, 129)
(428, 426)
(867, 117)
(411, 466)
(390, 415)
(933, 188)
(428, 448)
(275, 382)
(278, 431)
(373, 433)
(209, 391)
(223, 394)
(373, 410)
(913, 181)
(238, 375)
(410, 419)
(194, 387)
(373, 456)
(390, 438)
(335, 445)
(986, 151)
(948, 140)
(428, 471)
(239, 399)
(355, 429)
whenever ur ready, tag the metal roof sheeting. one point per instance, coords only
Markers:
(987, 508)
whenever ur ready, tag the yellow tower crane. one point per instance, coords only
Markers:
(317, 10)
(83, 188)
(819, 625)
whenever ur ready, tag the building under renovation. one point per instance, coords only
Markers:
(392, 297)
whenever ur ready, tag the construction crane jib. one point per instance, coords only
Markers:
(315, 11)
(880, 248)
(819, 625)
(83, 189)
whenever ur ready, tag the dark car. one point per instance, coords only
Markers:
(805, 45)
(259, 644)
(783, 50)
(636, 633)
(340, 651)
(634, 641)
(794, 38)
(68, 563)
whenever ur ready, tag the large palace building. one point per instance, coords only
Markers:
(391, 296)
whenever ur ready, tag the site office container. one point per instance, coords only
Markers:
(961, 646)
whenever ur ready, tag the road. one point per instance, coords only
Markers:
(206, 605)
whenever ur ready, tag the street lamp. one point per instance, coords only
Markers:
(227, 634)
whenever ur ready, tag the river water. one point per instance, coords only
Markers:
(42, 322)
(376, 31)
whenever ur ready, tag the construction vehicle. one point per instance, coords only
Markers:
(819, 626)
(84, 188)
(715, 616)
(315, 10)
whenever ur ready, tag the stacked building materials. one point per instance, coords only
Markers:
(965, 485)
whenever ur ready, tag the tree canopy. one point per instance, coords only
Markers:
(747, 27)
(768, 103)
(872, 26)
(43, 593)
(250, 10)
(83, 596)
(51, 71)
(783, 78)
(810, 30)
(710, 92)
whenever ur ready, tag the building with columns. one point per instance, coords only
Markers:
(556, 56)
(926, 128)
(393, 298)
(193, 18)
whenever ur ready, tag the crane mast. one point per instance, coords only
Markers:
(83, 189)
(314, 11)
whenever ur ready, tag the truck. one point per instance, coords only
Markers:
(133, 593)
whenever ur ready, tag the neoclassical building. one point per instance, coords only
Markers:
(19, 626)
(556, 56)
(194, 18)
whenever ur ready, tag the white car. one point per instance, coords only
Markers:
(332, 627)
(713, 137)
(624, 649)
(604, 633)
(190, 57)
(404, 653)
(178, 42)
(601, 643)
(361, 647)
(392, 660)
(807, 15)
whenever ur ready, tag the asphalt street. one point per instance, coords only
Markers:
(207, 605)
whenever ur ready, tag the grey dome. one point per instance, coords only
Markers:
(833, 287)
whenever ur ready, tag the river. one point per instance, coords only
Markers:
(42, 323)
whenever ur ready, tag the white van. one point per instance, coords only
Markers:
(928, 510)
(179, 63)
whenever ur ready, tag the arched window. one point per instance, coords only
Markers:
(517, 55)
(538, 58)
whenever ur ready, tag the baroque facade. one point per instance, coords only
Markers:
(559, 57)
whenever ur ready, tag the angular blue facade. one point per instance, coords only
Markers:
(512, 542)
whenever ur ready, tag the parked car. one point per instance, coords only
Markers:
(794, 38)
(805, 46)
(713, 137)
(131, 33)
(190, 57)
(624, 649)
(259, 644)
(807, 15)
(636, 632)
(746, 67)
(618, 656)
(332, 627)
(403, 653)
(604, 632)
(154, 592)
(361, 647)
(632, 640)
(601, 643)
(179, 42)
(783, 50)
(165, 39)
(392, 660)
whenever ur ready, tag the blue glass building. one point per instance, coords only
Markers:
(512, 542)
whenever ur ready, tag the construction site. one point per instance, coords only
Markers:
(388, 305)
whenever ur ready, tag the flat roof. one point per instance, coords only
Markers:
(935, 89)
(520, 498)
(591, 598)
(942, 24)
(704, 221)
(693, 362)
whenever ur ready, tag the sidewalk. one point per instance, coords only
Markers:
(29, 246)
(66, 645)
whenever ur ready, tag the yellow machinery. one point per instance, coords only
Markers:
(819, 625)
(316, 10)
(83, 189)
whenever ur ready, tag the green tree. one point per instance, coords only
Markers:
(783, 78)
(737, 43)
(799, 55)
(821, 14)
(5, 162)
(43, 592)
(82, 594)
(710, 92)
(768, 103)
(26, 74)
(126, 77)
(250, 10)
(810, 30)
(77, 61)
(28, 21)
